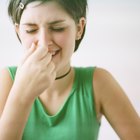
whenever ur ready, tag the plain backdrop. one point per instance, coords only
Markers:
(112, 41)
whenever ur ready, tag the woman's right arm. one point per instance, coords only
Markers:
(34, 75)
(13, 111)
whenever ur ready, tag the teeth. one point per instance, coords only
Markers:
(53, 52)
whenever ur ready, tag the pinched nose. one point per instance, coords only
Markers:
(45, 39)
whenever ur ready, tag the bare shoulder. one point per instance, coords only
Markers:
(105, 83)
(107, 89)
(115, 105)
(102, 76)
(5, 87)
(102, 79)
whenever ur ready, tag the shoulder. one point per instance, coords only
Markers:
(106, 88)
(108, 91)
(101, 73)
(5, 86)
(101, 82)
(103, 79)
(115, 105)
(5, 77)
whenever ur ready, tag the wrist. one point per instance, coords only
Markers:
(21, 95)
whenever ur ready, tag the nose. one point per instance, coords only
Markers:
(44, 38)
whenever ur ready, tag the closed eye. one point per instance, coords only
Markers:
(31, 31)
(58, 29)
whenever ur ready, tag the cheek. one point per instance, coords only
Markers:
(66, 40)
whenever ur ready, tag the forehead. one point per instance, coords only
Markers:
(50, 10)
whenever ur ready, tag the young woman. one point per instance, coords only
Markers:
(45, 98)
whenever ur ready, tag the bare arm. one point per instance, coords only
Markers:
(116, 107)
(14, 114)
(34, 75)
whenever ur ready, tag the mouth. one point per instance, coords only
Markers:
(54, 53)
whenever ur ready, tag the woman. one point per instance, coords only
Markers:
(45, 98)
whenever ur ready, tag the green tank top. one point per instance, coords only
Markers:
(75, 120)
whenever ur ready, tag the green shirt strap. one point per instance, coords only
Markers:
(12, 71)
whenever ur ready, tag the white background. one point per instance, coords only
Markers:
(112, 41)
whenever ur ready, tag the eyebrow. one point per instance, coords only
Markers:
(49, 23)
(55, 22)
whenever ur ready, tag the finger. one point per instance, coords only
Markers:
(46, 59)
(28, 53)
(40, 53)
(51, 67)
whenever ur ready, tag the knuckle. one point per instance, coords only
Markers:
(49, 56)
(52, 65)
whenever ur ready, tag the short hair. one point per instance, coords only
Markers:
(75, 8)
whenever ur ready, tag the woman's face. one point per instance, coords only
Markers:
(48, 25)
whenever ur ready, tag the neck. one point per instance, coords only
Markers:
(63, 83)
(64, 75)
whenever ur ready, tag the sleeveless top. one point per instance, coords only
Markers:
(75, 120)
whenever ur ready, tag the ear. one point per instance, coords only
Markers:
(17, 28)
(17, 31)
(80, 28)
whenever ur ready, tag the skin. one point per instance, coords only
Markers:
(41, 38)
(46, 33)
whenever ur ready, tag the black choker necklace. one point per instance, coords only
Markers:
(60, 77)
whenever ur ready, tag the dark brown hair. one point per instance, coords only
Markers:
(75, 8)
